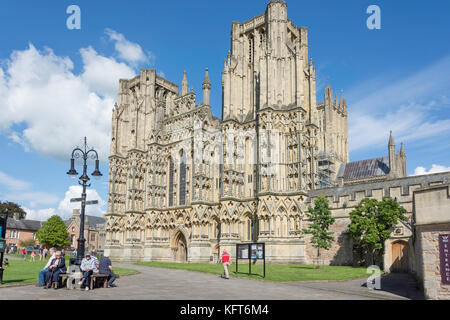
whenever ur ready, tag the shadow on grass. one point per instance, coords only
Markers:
(249, 275)
(303, 267)
(24, 281)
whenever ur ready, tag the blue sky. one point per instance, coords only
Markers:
(58, 85)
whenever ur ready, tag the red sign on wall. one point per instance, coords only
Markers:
(444, 254)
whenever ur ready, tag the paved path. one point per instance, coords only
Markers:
(163, 284)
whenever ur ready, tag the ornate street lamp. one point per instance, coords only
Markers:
(3, 221)
(83, 179)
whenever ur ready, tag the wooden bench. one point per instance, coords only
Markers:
(98, 276)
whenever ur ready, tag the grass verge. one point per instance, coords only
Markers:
(277, 273)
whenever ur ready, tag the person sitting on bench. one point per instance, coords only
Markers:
(43, 274)
(57, 266)
(87, 267)
(106, 268)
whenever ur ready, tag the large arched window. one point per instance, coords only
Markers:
(182, 179)
(171, 168)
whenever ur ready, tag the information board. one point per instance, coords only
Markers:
(250, 251)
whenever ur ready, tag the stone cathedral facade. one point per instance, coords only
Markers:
(184, 184)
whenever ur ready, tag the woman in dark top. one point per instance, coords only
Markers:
(57, 266)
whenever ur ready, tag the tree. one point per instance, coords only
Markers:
(27, 243)
(12, 209)
(53, 233)
(320, 221)
(371, 224)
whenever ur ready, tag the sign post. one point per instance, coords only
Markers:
(3, 221)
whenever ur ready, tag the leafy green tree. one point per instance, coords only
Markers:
(320, 219)
(371, 224)
(53, 233)
(12, 209)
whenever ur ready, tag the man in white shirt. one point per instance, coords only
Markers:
(43, 273)
(88, 267)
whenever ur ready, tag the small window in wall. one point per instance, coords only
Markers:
(73, 229)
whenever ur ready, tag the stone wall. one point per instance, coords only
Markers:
(432, 218)
(344, 199)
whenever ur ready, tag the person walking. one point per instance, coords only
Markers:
(24, 254)
(45, 253)
(32, 256)
(40, 254)
(226, 261)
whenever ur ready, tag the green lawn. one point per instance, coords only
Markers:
(26, 272)
(279, 273)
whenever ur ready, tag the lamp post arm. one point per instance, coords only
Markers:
(77, 149)
(92, 150)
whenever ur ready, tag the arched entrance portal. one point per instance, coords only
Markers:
(400, 257)
(180, 248)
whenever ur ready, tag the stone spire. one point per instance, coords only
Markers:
(402, 151)
(391, 140)
(184, 85)
(206, 89)
(392, 157)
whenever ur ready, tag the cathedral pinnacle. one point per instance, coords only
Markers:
(391, 140)
(184, 84)
(402, 151)
(206, 81)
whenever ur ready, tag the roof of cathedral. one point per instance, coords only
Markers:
(32, 225)
(365, 168)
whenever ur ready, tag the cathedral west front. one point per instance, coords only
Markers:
(184, 184)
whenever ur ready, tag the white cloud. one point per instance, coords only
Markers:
(39, 215)
(65, 207)
(14, 136)
(407, 106)
(435, 168)
(13, 183)
(39, 90)
(102, 74)
(128, 51)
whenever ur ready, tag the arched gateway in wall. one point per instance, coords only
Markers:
(400, 257)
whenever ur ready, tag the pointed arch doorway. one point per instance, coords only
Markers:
(180, 248)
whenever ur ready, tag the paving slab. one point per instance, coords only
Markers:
(171, 284)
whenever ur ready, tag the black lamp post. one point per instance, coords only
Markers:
(3, 220)
(84, 154)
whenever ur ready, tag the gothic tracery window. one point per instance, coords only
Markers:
(182, 179)
(171, 167)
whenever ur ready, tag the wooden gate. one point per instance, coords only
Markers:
(400, 257)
